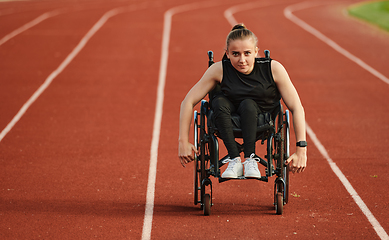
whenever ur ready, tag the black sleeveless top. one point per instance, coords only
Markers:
(259, 85)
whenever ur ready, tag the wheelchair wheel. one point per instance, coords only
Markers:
(207, 204)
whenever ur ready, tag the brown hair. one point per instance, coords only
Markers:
(239, 31)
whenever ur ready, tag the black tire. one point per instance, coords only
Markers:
(279, 204)
(207, 204)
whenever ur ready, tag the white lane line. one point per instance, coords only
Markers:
(148, 219)
(376, 225)
(149, 209)
(62, 66)
(30, 25)
(288, 12)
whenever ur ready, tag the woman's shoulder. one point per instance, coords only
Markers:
(277, 66)
(215, 71)
(217, 66)
(279, 72)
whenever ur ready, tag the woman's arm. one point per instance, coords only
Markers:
(291, 98)
(211, 77)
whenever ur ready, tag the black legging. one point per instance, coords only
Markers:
(248, 111)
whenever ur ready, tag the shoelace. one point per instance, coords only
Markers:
(231, 162)
(251, 162)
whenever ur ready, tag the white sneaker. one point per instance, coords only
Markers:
(251, 167)
(234, 169)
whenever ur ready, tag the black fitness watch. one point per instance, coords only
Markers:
(302, 144)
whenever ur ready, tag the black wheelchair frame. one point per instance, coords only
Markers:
(207, 163)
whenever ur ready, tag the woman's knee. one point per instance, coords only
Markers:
(248, 106)
(222, 105)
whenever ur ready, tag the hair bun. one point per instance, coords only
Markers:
(238, 26)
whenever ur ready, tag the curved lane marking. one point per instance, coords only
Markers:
(288, 12)
(30, 25)
(64, 64)
(228, 14)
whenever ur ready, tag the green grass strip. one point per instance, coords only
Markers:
(374, 12)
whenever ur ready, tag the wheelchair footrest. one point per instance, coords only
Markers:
(263, 178)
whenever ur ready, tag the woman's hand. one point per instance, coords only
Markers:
(185, 152)
(298, 161)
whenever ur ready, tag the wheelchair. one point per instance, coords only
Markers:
(273, 131)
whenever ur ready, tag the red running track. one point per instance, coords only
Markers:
(76, 165)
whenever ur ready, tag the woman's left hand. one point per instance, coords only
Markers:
(298, 161)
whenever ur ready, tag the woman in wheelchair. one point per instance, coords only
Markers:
(249, 86)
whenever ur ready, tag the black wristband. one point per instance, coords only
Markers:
(302, 144)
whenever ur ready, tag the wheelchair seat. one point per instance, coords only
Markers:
(264, 123)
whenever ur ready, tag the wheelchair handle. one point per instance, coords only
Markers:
(210, 57)
(267, 53)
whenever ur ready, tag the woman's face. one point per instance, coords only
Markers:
(242, 53)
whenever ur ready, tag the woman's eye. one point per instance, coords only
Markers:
(247, 53)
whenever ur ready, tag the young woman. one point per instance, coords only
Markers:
(249, 86)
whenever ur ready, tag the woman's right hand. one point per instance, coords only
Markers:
(208, 81)
(185, 152)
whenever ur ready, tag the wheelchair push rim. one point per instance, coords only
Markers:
(197, 181)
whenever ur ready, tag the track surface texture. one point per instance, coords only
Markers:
(75, 164)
